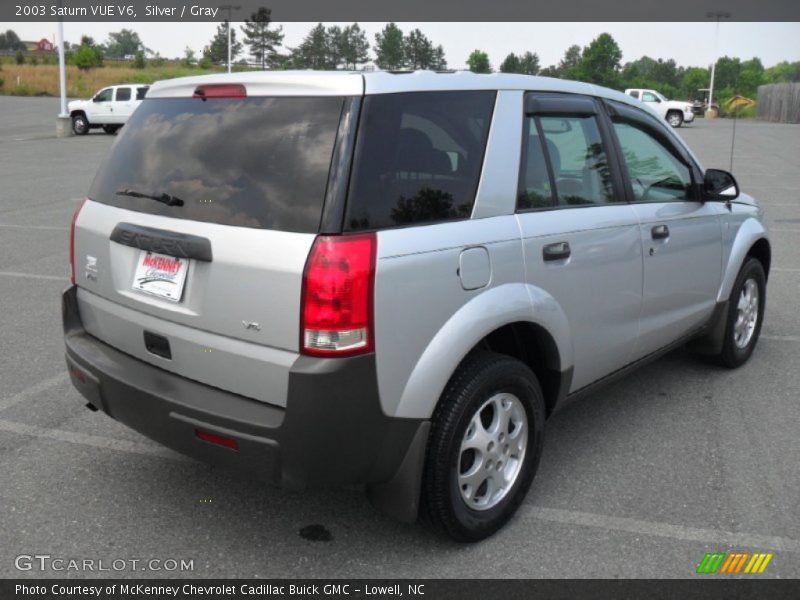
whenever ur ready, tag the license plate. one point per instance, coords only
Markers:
(160, 275)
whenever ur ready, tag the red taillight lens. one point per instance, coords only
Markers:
(338, 284)
(72, 242)
(220, 90)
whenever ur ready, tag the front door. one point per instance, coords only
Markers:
(681, 235)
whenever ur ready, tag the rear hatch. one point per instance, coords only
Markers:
(198, 227)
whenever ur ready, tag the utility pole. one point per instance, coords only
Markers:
(230, 8)
(715, 15)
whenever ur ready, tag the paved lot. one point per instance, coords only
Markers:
(639, 480)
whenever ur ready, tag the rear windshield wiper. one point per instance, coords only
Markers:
(164, 198)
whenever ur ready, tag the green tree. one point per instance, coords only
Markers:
(10, 41)
(217, 49)
(478, 62)
(262, 41)
(551, 71)
(750, 77)
(354, 46)
(569, 65)
(334, 43)
(88, 55)
(312, 53)
(19, 57)
(389, 48)
(511, 64)
(783, 72)
(600, 62)
(189, 58)
(439, 60)
(693, 80)
(138, 61)
(526, 64)
(122, 43)
(418, 50)
(529, 63)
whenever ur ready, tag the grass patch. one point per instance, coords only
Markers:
(40, 80)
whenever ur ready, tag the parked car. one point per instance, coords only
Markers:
(110, 108)
(675, 112)
(395, 279)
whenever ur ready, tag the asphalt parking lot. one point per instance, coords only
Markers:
(640, 480)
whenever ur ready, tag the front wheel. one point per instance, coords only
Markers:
(80, 124)
(745, 314)
(675, 118)
(484, 448)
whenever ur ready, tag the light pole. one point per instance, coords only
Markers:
(230, 8)
(715, 15)
(63, 120)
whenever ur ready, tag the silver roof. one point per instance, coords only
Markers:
(353, 83)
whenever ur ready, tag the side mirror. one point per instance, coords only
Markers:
(719, 185)
(96, 99)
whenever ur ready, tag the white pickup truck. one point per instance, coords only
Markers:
(674, 111)
(109, 108)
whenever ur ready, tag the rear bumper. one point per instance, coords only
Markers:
(332, 430)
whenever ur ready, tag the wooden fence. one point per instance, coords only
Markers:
(779, 102)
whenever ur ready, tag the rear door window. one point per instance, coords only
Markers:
(418, 158)
(123, 94)
(578, 172)
(251, 162)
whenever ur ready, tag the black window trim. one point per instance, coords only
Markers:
(573, 105)
(652, 126)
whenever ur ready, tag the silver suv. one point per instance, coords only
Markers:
(394, 279)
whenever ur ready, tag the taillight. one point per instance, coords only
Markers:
(72, 242)
(338, 288)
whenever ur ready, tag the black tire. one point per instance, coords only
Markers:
(80, 124)
(734, 355)
(480, 377)
(111, 129)
(675, 118)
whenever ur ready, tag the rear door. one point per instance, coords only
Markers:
(681, 235)
(580, 235)
(234, 188)
(123, 104)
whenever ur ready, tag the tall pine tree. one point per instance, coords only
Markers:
(263, 41)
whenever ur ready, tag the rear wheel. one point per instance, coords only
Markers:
(675, 118)
(111, 129)
(745, 314)
(80, 124)
(485, 444)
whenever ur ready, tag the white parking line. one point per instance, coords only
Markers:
(95, 441)
(32, 276)
(37, 388)
(43, 227)
(678, 532)
(781, 338)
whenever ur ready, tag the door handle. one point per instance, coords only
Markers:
(556, 251)
(659, 232)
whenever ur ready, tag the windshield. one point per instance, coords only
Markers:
(252, 162)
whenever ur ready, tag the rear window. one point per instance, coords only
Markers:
(418, 158)
(252, 162)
